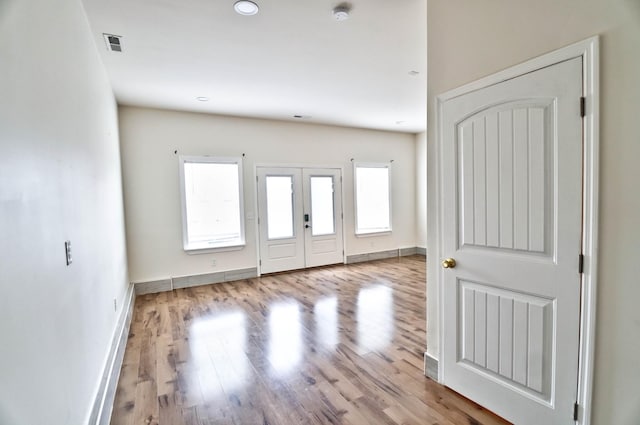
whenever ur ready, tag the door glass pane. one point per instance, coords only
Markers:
(322, 217)
(279, 207)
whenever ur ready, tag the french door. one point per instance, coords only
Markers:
(299, 217)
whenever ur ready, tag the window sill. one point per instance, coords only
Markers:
(196, 250)
(376, 233)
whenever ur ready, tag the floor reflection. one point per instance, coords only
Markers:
(375, 317)
(326, 316)
(220, 340)
(189, 349)
(285, 337)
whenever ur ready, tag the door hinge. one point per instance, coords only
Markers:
(581, 264)
(583, 106)
(575, 411)
(260, 262)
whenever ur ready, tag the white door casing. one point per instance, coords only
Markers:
(301, 242)
(512, 220)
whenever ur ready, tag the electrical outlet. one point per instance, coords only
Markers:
(213, 262)
(67, 250)
(115, 304)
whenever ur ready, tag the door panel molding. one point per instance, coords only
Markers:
(588, 51)
(522, 355)
(506, 191)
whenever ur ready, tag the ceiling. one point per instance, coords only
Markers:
(292, 58)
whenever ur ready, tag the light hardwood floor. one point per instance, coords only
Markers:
(332, 345)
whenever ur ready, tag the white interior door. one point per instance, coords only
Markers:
(299, 218)
(511, 193)
(323, 204)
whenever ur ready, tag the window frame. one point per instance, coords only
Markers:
(293, 202)
(360, 232)
(205, 159)
(333, 204)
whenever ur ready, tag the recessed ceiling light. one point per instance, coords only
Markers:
(202, 98)
(246, 7)
(302, 117)
(399, 122)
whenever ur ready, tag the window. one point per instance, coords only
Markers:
(373, 198)
(212, 202)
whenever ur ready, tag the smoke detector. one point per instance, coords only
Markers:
(341, 12)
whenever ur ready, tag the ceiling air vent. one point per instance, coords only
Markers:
(113, 42)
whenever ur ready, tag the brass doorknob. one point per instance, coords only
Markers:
(448, 263)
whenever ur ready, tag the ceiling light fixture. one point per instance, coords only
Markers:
(341, 11)
(202, 98)
(246, 7)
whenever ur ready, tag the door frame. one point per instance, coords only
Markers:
(588, 50)
(301, 166)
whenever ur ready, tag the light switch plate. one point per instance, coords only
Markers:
(67, 249)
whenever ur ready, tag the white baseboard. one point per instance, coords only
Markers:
(380, 255)
(169, 284)
(103, 404)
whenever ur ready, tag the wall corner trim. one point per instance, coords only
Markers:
(430, 367)
(103, 403)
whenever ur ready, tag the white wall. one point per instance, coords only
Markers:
(472, 39)
(59, 179)
(152, 198)
(421, 189)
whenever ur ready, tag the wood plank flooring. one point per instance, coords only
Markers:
(333, 345)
